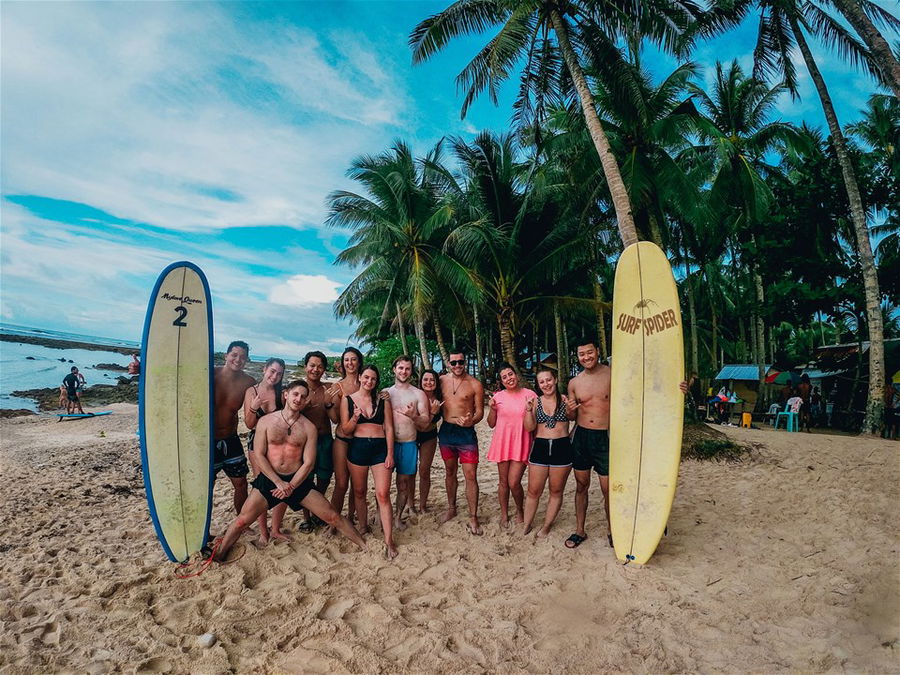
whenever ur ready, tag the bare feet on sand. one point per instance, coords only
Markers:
(282, 536)
(390, 552)
(449, 515)
(399, 525)
(474, 527)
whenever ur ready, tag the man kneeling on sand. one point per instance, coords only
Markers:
(285, 453)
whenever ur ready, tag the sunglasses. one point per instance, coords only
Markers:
(458, 362)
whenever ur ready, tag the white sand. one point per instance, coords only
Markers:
(787, 561)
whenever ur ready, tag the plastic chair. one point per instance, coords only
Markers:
(773, 411)
(746, 420)
(790, 422)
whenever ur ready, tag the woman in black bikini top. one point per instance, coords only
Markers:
(372, 447)
(551, 453)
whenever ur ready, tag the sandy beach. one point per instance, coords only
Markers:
(785, 561)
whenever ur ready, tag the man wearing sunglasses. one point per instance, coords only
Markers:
(463, 409)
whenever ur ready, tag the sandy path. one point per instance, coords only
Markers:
(787, 561)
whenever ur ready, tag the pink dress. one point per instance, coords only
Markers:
(511, 441)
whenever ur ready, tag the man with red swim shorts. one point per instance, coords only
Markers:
(463, 409)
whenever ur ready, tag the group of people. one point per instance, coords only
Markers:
(294, 456)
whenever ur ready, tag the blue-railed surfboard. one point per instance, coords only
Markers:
(175, 412)
(646, 405)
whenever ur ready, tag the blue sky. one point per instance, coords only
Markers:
(136, 134)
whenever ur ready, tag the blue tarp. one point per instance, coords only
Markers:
(740, 371)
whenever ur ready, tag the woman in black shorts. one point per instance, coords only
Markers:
(551, 454)
(368, 420)
(427, 439)
(349, 365)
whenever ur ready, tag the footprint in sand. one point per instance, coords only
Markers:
(335, 609)
(157, 665)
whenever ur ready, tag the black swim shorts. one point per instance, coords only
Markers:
(266, 486)
(228, 456)
(552, 452)
(591, 450)
(367, 451)
(425, 436)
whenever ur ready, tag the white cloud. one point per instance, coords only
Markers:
(193, 97)
(303, 290)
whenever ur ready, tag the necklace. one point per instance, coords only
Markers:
(290, 424)
(458, 385)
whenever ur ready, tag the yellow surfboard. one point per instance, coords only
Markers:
(175, 412)
(646, 404)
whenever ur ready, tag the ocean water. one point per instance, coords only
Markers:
(48, 366)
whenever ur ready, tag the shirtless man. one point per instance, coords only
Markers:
(321, 411)
(463, 409)
(230, 385)
(588, 404)
(285, 451)
(411, 411)
(804, 391)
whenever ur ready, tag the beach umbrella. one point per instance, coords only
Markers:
(770, 378)
(785, 377)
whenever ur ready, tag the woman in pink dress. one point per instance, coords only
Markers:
(511, 442)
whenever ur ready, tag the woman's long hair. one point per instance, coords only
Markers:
(438, 394)
(374, 393)
(279, 400)
(359, 359)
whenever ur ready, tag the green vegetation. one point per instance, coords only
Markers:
(719, 450)
(506, 244)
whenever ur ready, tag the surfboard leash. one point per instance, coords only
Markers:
(196, 571)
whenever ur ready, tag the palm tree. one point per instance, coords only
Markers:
(399, 228)
(737, 136)
(782, 28)
(861, 15)
(581, 28)
(511, 243)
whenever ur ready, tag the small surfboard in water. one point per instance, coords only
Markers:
(81, 416)
(175, 409)
(646, 405)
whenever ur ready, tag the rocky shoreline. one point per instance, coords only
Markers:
(68, 344)
(124, 391)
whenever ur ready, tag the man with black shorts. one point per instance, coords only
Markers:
(285, 452)
(229, 386)
(71, 382)
(588, 401)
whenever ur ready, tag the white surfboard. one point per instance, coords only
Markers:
(176, 409)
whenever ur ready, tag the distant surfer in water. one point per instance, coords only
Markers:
(463, 409)
(260, 400)
(230, 386)
(73, 383)
(285, 452)
(589, 400)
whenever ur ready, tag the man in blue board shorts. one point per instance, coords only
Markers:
(411, 410)
(285, 452)
(229, 386)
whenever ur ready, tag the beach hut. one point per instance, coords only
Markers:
(743, 380)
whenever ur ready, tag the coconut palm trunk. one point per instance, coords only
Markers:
(601, 324)
(875, 402)
(561, 356)
(617, 190)
(879, 48)
(507, 339)
(692, 313)
(419, 322)
(402, 328)
(760, 330)
(479, 354)
(442, 347)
